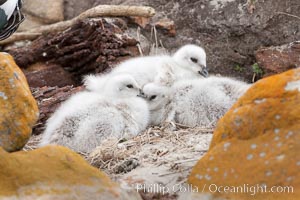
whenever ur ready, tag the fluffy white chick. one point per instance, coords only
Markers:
(187, 62)
(198, 102)
(192, 59)
(159, 102)
(83, 121)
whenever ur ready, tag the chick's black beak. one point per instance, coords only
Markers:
(141, 94)
(204, 72)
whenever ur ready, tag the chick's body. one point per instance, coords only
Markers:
(198, 102)
(204, 102)
(83, 121)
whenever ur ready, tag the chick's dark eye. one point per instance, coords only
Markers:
(194, 60)
(152, 97)
(129, 86)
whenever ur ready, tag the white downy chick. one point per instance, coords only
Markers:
(83, 121)
(159, 101)
(187, 62)
(198, 102)
(192, 59)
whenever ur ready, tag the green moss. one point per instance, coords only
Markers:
(257, 70)
(238, 68)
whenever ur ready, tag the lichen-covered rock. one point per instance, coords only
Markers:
(18, 109)
(54, 172)
(256, 144)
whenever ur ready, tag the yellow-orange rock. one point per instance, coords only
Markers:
(18, 109)
(256, 144)
(54, 172)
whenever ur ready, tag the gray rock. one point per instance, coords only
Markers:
(40, 13)
(230, 30)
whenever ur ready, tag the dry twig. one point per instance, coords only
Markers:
(288, 14)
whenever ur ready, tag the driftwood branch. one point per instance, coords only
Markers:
(117, 11)
(20, 36)
(99, 11)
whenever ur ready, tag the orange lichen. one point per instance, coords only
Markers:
(257, 143)
(266, 106)
(19, 111)
(52, 170)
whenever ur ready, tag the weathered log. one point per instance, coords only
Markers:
(43, 74)
(89, 46)
(99, 11)
(49, 99)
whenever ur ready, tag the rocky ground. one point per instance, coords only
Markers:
(245, 39)
(231, 31)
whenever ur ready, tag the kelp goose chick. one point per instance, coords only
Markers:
(198, 102)
(187, 62)
(83, 121)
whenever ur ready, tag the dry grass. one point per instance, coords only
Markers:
(32, 143)
(157, 156)
(112, 152)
